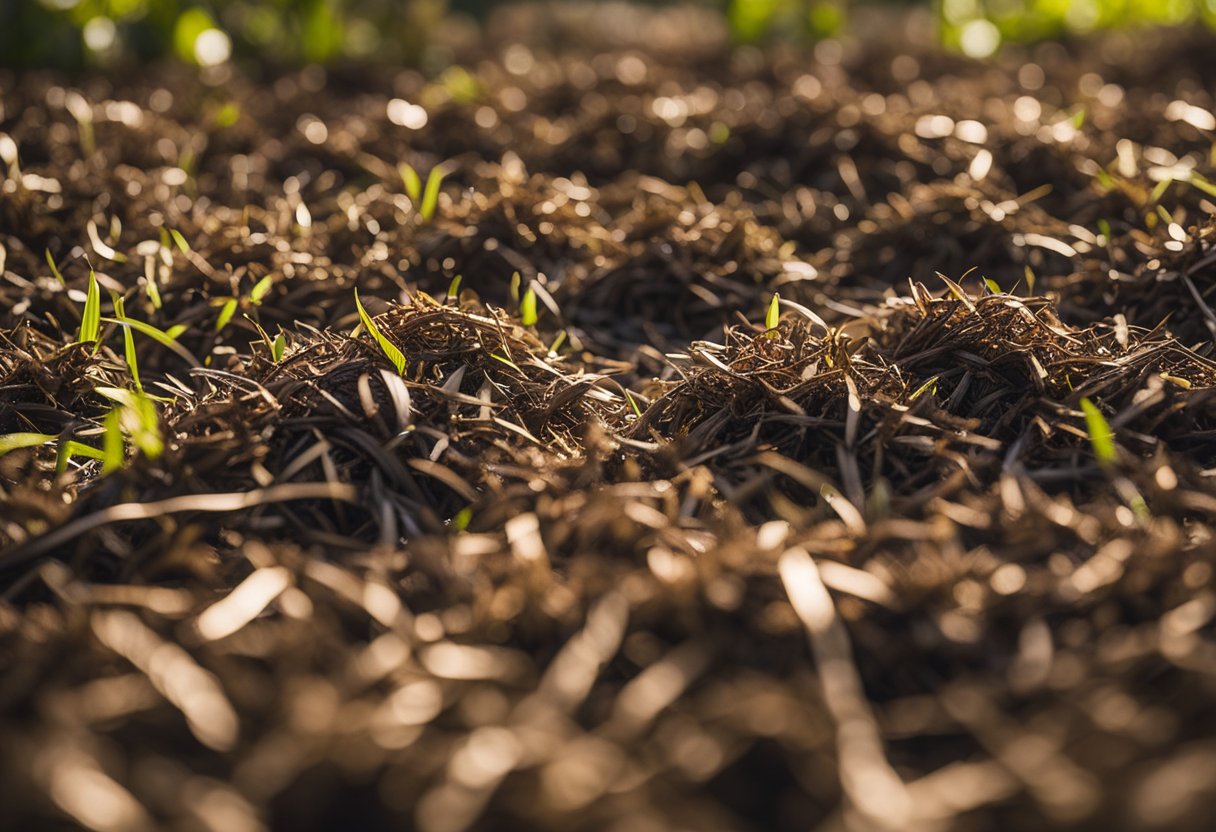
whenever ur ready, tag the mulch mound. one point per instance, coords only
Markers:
(645, 562)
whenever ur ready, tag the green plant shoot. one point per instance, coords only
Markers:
(411, 182)
(50, 261)
(430, 198)
(1100, 435)
(527, 308)
(773, 316)
(128, 338)
(386, 346)
(90, 321)
(14, 441)
(226, 313)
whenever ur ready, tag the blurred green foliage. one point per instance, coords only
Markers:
(978, 27)
(753, 20)
(81, 33)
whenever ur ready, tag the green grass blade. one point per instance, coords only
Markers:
(226, 313)
(386, 346)
(180, 240)
(278, 348)
(928, 386)
(430, 198)
(527, 308)
(128, 340)
(1100, 435)
(454, 289)
(90, 321)
(50, 261)
(773, 317)
(259, 290)
(144, 426)
(1199, 181)
(111, 449)
(637, 411)
(166, 338)
(72, 448)
(411, 181)
(15, 441)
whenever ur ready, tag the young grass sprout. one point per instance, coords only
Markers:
(50, 261)
(1101, 437)
(527, 308)
(773, 316)
(430, 198)
(15, 441)
(128, 340)
(411, 181)
(90, 321)
(425, 199)
(386, 346)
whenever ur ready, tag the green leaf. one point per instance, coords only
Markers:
(260, 289)
(930, 386)
(152, 289)
(1104, 229)
(411, 181)
(1100, 434)
(112, 445)
(115, 394)
(90, 321)
(1159, 191)
(180, 240)
(72, 448)
(557, 342)
(1030, 279)
(1198, 180)
(14, 441)
(527, 308)
(278, 348)
(515, 281)
(1078, 118)
(50, 261)
(636, 410)
(773, 317)
(431, 197)
(226, 313)
(128, 340)
(506, 361)
(992, 285)
(460, 521)
(167, 338)
(143, 425)
(386, 346)
(454, 289)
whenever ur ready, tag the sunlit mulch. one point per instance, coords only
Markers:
(644, 563)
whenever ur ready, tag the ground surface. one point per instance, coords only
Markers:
(669, 570)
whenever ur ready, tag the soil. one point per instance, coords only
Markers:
(646, 562)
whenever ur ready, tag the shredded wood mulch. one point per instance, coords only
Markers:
(645, 563)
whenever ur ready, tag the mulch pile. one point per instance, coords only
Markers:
(645, 563)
